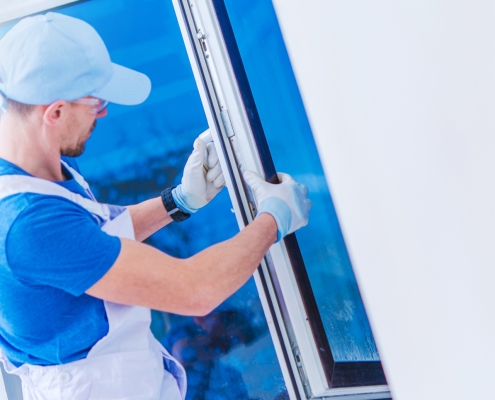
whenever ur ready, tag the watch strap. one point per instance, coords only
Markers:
(177, 214)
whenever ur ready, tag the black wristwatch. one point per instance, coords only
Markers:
(172, 208)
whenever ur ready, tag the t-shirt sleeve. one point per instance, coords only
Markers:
(57, 243)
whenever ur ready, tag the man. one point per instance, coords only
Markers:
(76, 284)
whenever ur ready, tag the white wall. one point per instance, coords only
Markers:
(401, 98)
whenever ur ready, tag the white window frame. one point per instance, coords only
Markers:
(229, 124)
(15, 9)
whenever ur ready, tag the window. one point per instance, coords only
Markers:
(324, 339)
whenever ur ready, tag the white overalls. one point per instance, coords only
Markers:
(128, 363)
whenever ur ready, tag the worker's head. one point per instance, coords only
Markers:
(57, 68)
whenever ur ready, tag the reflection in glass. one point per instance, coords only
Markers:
(138, 151)
(293, 150)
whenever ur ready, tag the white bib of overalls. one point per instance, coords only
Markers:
(128, 363)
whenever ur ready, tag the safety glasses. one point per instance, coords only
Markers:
(98, 104)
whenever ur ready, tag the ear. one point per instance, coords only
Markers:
(55, 112)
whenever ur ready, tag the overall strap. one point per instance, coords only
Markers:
(16, 184)
(79, 179)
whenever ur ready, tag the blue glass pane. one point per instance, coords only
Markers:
(134, 153)
(293, 149)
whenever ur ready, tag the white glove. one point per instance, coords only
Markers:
(287, 201)
(199, 184)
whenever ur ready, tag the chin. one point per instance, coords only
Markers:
(75, 152)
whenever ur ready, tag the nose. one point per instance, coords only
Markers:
(102, 114)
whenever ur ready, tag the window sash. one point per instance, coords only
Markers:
(281, 279)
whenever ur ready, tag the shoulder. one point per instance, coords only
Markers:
(29, 216)
(40, 206)
(32, 217)
(43, 245)
(10, 208)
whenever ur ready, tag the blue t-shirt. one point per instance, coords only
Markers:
(51, 252)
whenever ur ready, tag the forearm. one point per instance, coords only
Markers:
(144, 276)
(148, 217)
(220, 270)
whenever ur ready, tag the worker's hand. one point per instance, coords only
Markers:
(199, 185)
(287, 201)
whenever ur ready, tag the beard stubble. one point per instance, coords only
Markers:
(80, 147)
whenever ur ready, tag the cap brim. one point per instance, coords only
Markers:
(126, 87)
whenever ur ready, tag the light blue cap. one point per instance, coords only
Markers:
(53, 57)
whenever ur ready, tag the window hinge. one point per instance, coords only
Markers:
(227, 123)
(202, 41)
